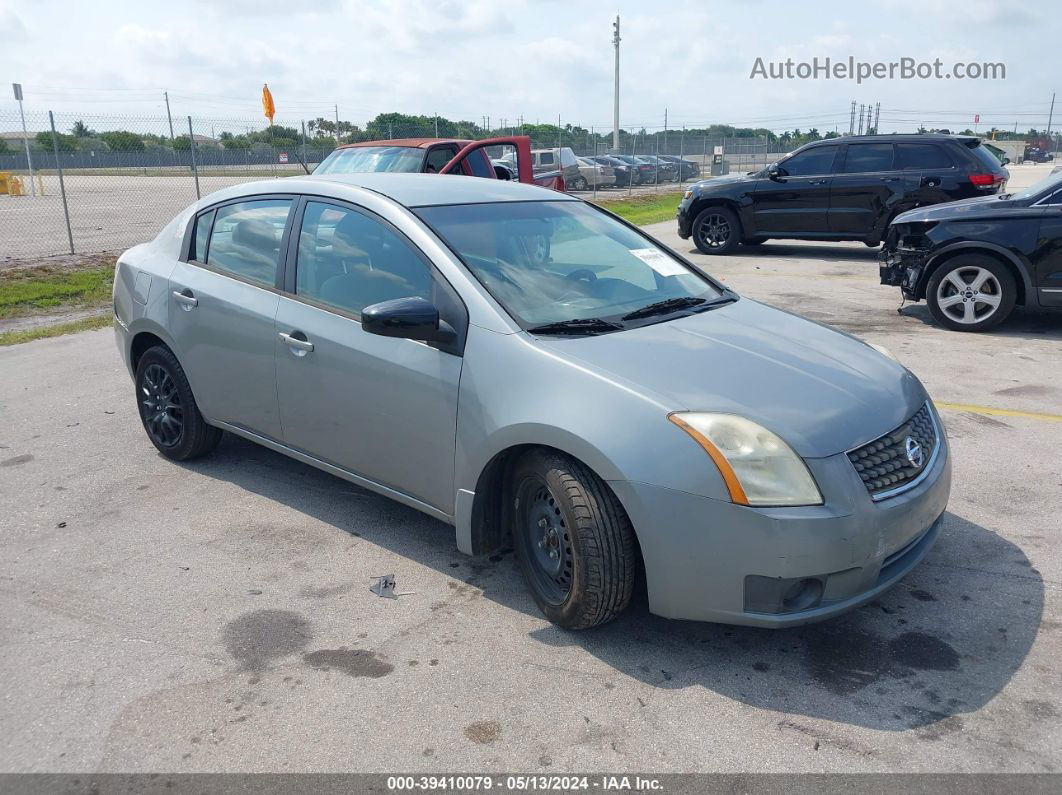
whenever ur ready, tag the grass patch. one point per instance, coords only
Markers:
(644, 209)
(27, 291)
(41, 332)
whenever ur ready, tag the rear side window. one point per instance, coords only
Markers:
(922, 156)
(986, 159)
(246, 238)
(202, 234)
(866, 158)
(811, 162)
(545, 158)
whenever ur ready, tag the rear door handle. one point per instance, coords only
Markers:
(890, 179)
(818, 182)
(186, 298)
(294, 342)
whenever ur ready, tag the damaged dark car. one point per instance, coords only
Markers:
(973, 261)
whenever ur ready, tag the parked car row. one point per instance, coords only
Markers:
(952, 234)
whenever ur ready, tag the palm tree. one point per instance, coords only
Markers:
(81, 131)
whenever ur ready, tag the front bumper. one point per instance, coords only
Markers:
(902, 267)
(709, 560)
(685, 223)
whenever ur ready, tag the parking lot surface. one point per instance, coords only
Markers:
(216, 615)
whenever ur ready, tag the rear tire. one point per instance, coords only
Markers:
(579, 183)
(573, 541)
(971, 293)
(716, 230)
(168, 410)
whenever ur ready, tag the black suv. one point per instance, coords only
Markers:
(974, 260)
(837, 189)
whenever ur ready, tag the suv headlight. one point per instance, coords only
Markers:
(758, 467)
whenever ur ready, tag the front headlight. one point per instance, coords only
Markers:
(758, 467)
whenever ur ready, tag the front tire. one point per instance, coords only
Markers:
(579, 183)
(168, 410)
(716, 230)
(971, 293)
(573, 541)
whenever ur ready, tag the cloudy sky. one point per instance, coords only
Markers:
(531, 58)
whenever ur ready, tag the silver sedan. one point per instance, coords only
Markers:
(607, 410)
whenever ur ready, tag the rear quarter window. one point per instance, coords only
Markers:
(985, 158)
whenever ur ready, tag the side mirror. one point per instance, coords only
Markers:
(407, 318)
(774, 171)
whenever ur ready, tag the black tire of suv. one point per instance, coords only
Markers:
(196, 437)
(1004, 277)
(732, 221)
(593, 535)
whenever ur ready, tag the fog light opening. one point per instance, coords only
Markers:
(802, 595)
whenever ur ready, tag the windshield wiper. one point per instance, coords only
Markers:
(584, 325)
(663, 307)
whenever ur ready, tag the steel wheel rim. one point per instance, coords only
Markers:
(539, 249)
(969, 294)
(715, 231)
(160, 406)
(547, 542)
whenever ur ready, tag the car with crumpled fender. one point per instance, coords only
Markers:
(609, 411)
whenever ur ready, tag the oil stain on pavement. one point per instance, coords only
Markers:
(261, 637)
(352, 662)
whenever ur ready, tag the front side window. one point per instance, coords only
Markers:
(350, 260)
(360, 159)
(867, 158)
(439, 157)
(245, 240)
(811, 162)
(555, 261)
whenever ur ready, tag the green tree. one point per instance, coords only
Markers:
(182, 143)
(67, 143)
(4, 149)
(123, 141)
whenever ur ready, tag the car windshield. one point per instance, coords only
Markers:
(359, 159)
(1047, 184)
(556, 261)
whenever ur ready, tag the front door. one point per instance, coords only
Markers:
(223, 302)
(1048, 274)
(380, 407)
(798, 200)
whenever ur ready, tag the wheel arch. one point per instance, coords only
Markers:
(1018, 269)
(488, 517)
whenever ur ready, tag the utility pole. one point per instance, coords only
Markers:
(436, 125)
(851, 121)
(665, 135)
(860, 132)
(166, 96)
(337, 122)
(1051, 115)
(25, 139)
(877, 116)
(615, 95)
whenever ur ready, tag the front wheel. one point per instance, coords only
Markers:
(971, 293)
(579, 183)
(716, 230)
(573, 541)
(168, 410)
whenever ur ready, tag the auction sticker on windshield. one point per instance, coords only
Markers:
(659, 261)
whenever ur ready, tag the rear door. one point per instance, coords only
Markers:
(798, 201)
(933, 170)
(380, 407)
(223, 301)
(867, 189)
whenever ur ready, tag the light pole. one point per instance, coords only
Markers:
(25, 136)
(615, 96)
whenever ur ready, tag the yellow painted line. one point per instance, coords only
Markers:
(994, 412)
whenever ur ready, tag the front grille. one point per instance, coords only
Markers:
(884, 466)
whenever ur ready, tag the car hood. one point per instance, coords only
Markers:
(976, 207)
(821, 390)
(707, 185)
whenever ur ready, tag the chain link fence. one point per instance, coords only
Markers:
(102, 183)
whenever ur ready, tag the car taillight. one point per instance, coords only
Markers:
(986, 180)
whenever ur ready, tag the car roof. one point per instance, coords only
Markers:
(896, 138)
(410, 190)
(419, 143)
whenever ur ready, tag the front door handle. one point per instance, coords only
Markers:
(818, 182)
(300, 345)
(186, 299)
(890, 179)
